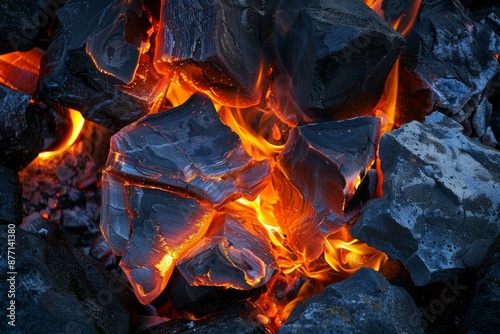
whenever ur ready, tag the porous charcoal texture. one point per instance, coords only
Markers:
(441, 204)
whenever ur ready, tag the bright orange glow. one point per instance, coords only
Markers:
(77, 122)
(19, 70)
(376, 5)
(405, 22)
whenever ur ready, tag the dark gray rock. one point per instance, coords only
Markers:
(440, 212)
(94, 62)
(483, 315)
(59, 290)
(10, 197)
(338, 55)
(454, 56)
(24, 21)
(20, 129)
(188, 150)
(218, 46)
(364, 303)
(481, 118)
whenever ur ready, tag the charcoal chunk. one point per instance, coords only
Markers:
(364, 303)
(338, 55)
(58, 288)
(237, 255)
(20, 129)
(440, 212)
(188, 150)
(151, 229)
(218, 47)
(454, 56)
(93, 63)
(10, 197)
(325, 161)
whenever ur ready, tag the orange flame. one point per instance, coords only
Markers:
(77, 122)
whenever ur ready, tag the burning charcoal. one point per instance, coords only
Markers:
(10, 197)
(440, 212)
(483, 316)
(364, 303)
(24, 21)
(151, 229)
(454, 56)
(393, 9)
(58, 289)
(218, 47)
(481, 118)
(19, 70)
(201, 301)
(338, 54)
(188, 150)
(20, 130)
(36, 224)
(94, 62)
(237, 255)
(325, 161)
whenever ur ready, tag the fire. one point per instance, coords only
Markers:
(19, 70)
(77, 122)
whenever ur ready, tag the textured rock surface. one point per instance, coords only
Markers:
(188, 150)
(10, 197)
(338, 54)
(217, 47)
(325, 160)
(364, 303)
(456, 62)
(483, 315)
(94, 61)
(59, 290)
(441, 204)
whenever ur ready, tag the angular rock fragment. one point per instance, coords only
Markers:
(218, 47)
(235, 254)
(165, 175)
(96, 62)
(454, 56)
(151, 229)
(58, 288)
(326, 161)
(440, 211)
(338, 54)
(364, 303)
(190, 151)
(10, 197)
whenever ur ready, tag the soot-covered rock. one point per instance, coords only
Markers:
(453, 55)
(94, 62)
(218, 47)
(58, 289)
(234, 254)
(325, 161)
(440, 211)
(338, 54)
(483, 315)
(190, 151)
(24, 21)
(364, 303)
(10, 197)
(150, 229)
(20, 129)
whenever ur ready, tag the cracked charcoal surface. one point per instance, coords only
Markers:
(94, 58)
(364, 303)
(151, 229)
(220, 45)
(324, 160)
(188, 150)
(456, 62)
(338, 54)
(441, 204)
(237, 255)
(59, 288)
